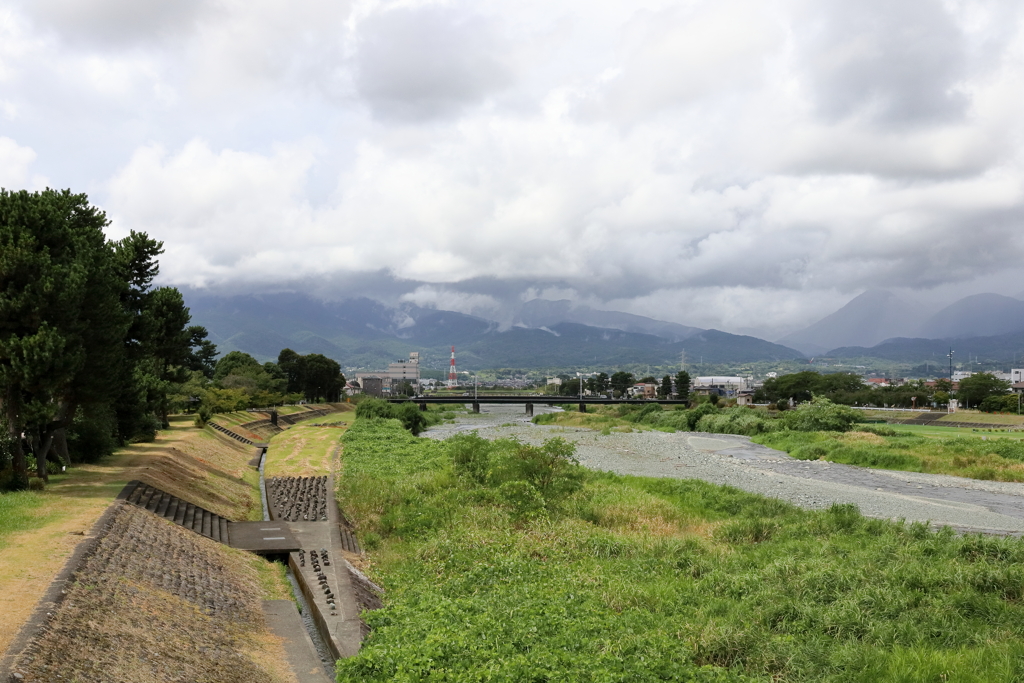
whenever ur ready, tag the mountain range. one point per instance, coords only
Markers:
(877, 322)
(364, 333)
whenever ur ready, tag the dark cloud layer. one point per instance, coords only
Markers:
(730, 164)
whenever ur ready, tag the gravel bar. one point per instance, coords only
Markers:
(967, 505)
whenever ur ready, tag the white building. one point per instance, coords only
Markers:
(397, 374)
(722, 385)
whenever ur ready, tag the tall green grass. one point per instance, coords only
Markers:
(966, 456)
(640, 579)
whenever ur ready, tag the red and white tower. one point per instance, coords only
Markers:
(453, 378)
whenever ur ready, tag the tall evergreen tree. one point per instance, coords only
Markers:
(59, 315)
(683, 385)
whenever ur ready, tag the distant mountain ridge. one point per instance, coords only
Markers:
(1004, 348)
(544, 313)
(364, 333)
(980, 315)
(878, 317)
(866, 320)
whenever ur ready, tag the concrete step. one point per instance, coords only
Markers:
(155, 500)
(178, 511)
(165, 502)
(190, 516)
(144, 497)
(349, 542)
(172, 509)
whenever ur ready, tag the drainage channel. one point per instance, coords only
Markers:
(307, 616)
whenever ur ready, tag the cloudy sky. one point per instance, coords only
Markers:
(740, 164)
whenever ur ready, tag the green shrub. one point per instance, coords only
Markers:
(91, 437)
(1000, 404)
(409, 414)
(820, 414)
(693, 417)
(737, 421)
(471, 455)
(646, 415)
(523, 499)
(552, 469)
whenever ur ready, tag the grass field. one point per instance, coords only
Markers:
(639, 579)
(998, 459)
(302, 451)
(988, 418)
(947, 432)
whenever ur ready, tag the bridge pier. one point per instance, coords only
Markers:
(476, 407)
(529, 409)
(583, 407)
(423, 406)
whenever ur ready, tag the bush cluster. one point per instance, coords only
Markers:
(638, 579)
(409, 414)
(531, 480)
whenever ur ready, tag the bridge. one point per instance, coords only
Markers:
(529, 401)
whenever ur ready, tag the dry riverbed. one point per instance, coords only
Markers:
(964, 504)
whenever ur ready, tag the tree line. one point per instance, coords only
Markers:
(983, 391)
(90, 350)
(619, 383)
(94, 356)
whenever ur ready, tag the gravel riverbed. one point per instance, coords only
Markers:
(964, 504)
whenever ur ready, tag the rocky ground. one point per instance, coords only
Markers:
(964, 504)
(155, 602)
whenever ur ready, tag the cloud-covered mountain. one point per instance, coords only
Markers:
(980, 315)
(544, 313)
(1004, 348)
(866, 320)
(637, 156)
(363, 333)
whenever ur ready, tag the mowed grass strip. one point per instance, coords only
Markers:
(994, 459)
(641, 579)
(302, 451)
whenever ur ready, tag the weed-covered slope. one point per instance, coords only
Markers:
(637, 579)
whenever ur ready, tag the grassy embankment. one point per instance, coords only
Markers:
(201, 466)
(997, 456)
(307, 451)
(639, 579)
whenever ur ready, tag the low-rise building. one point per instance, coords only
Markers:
(387, 383)
(722, 385)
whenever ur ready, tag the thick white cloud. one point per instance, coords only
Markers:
(16, 167)
(731, 164)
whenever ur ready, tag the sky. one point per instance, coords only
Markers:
(744, 165)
